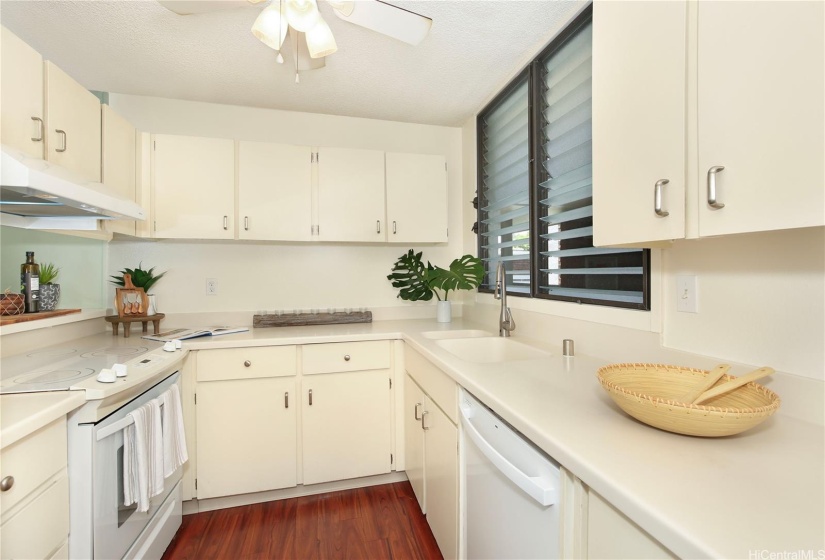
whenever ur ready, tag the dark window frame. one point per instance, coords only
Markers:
(532, 72)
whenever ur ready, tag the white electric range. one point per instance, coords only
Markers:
(101, 525)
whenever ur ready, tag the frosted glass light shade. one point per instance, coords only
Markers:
(320, 41)
(271, 26)
(302, 14)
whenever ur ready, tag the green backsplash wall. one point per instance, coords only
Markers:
(82, 264)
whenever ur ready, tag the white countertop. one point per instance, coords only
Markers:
(760, 492)
(25, 413)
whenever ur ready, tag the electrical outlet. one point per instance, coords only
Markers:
(687, 297)
(211, 286)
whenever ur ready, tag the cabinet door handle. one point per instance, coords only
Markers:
(394, 228)
(65, 144)
(226, 222)
(6, 483)
(657, 198)
(424, 425)
(286, 399)
(310, 397)
(712, 186)
(347, 357)
(417, 412)
(377, 226)
(245, 223)
(39, 122)
(247, 363)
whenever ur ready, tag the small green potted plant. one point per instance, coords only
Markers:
(419, 282)
(141, 279)
(49, 291)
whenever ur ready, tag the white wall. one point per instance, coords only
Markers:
(270, 276)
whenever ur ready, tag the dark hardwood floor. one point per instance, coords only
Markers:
(371, 523)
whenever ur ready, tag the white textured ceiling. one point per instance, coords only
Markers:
(139, 47)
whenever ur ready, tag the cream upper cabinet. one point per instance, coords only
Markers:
(761, 94)
(639, 132)
(345, 413)
(351, 195)
(694, 94)
(246, 416)
(119, 156)
(416, 198)
(274, 191)
(193, 192)
(72, 124)
(21, 90)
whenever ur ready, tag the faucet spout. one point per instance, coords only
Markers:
(506, 323)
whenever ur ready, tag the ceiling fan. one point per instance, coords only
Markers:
(310, 37)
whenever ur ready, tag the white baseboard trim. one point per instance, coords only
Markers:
(198, 506)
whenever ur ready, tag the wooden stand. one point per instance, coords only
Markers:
(127, 323)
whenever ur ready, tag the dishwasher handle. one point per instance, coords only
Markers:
(539, 488)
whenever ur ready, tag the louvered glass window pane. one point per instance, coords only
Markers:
(569, 267)
(504, 189)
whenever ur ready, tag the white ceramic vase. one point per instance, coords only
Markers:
(443, 312)
(152, 310)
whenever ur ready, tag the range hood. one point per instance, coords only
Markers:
(36, 194)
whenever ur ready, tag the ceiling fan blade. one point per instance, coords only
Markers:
(389, 20)
(189, 7)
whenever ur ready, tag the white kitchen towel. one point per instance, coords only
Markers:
(143, 456)
(174, 436)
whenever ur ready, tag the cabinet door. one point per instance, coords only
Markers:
(246, 434)
(21, 112)
(414, 439)
(612, 535)
(351, 195)
(441, 473)
(416, 198)
(73, 124)
(346, 425)
(118, 157)
(193, 187)
(761, 107)
(274, 192)
(639, 134)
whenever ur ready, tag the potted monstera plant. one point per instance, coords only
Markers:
(49, 291)
(419, 282)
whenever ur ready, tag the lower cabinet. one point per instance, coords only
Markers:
(610, 534)
(246, 416)
(431, 447)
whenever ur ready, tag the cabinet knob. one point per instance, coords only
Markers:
(6, 483)
(347, 357)
(657, 198)
(247, 363)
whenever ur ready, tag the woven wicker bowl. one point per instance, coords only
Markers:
(648, 392)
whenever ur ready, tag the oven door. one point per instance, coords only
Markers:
(117, 526)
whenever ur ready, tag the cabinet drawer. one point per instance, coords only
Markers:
(38, 529)
(32, 460)
(346, 356)
(437, 384)
(231, 363)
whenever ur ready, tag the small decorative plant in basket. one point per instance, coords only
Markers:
(49, 291)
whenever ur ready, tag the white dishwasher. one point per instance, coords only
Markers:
(510, 490)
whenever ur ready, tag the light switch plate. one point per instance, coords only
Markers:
(687, 297)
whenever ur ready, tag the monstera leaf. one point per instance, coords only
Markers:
(411, 276)
(465, 273)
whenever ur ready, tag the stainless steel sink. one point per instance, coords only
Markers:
(491, 349)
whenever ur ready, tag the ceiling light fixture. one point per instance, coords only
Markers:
(304, 19)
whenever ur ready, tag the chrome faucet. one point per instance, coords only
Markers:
(506, 323)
